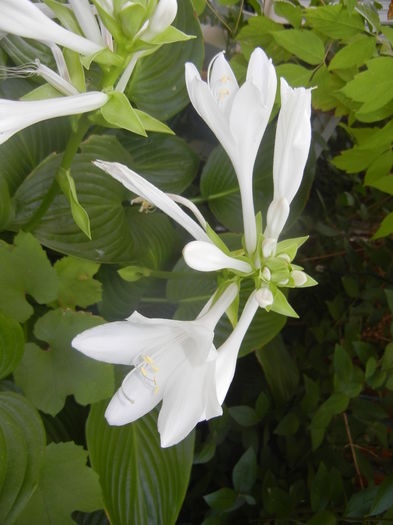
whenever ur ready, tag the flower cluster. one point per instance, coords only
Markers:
(113, 34)
(176, 361)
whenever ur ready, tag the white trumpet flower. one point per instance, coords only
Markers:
(207, 257)
(174, 361)
(24, 18)
(292, 145)
(238, 117)
(16, 115)
(162, 18)
(150, 193)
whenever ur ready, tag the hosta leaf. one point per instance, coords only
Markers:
(48, 376)
(157, 85)
(25, 269)
(11, 344)
(66, 484)
(141, 482)
(22, 441)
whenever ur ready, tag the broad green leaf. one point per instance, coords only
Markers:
(79, 214)
(23, 51)
(25, 269)
(294, 74)
(356, 159)
(280, 370)
(360, 502)
(384, 497)
(304, 44)
(324, 517)
(48, 375)
(22, 445)
(288, 425)
(141, 482)
(222, 500)
(292, 13)
(373, 87)
(354, 54)
(385, 228)
(76, 284)
(324, 96)
(244, 472)
(157, 85)
(257, 32)
(119, 112)
(384, 184)
(380, 167)
(335, 21)
(335, 404)
(66, 484)
(244, 415)
(5, 203)
(11, 344)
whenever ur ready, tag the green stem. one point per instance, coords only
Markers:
(65, 164)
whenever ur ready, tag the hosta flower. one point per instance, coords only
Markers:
(24, 18)
(16, 115)
(293, 138)
(238, 117)
(162, 18)
(173, 362)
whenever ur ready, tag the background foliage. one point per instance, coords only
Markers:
(306, 433)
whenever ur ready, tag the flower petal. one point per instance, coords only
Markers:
(262, 74)
(222, 82)
(87, 20)
(162, 18)
(206, 257)
(277, 215)
(133, 400)
(137, 184)
(228, 351)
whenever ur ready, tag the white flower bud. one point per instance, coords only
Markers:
(299, 278)
(266, 274)
(264, 297)
(269, 247)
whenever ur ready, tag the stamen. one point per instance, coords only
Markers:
(26, 70)
(145, 206)
(223, 92)
(224, 79)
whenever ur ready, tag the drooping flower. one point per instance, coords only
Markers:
(292, 145)
(174, 361)
(24, 18)
(16, 115)
(238, 117)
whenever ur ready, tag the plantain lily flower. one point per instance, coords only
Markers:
(207, 257)
(173, 362)
(24, 18)
(162, 18)
(238, 117)
(292, 145)
(16, 115)
(151, 194)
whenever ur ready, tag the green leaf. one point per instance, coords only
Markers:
(22, 442)
(280, 370)
(288, 425)
(292, 13)
(244, 415)
(152, 124)
(157, 84)
(141, 482)
(48, 376)
(222, 500)
(281, 305)
(373, 87)
(389, 298)
(134, 273)
(354, 54)
(67, 185)
(11, 344)
(25, 269)
(244, 473)
(335, 21)
(324, 517)
(76, 284)
(384, 497)
(171, 35)
(66, 484)
(384, 184)
(360, 502)
(5, 203)
(294, 74)
(119, 112)
(385, 228)
(303, 44)
(335, 404)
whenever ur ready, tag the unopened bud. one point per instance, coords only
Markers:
(266, 274)
(269, 247)
(299, 277)
(264, 297)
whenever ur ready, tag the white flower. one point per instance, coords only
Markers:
(24, 18)
(87, 21)
(162, 18)
(206, 257)
(299, 277)
(238, 117)
(16, 115)
(150, 193)
(293, 138)
(174, 361)
(264, 297)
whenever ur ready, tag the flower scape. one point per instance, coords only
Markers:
(176, 362)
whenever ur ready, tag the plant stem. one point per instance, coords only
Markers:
(352, 447)
(72, 147)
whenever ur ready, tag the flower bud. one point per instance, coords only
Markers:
(264, 297)
(299, 277)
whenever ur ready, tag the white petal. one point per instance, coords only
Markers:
(264, 297)
(299, 277)
(228, 351)
(162, 18)
(24, 18)
(222, 82)
(217, 306)
(87, 20)
(121, 342)
(16, 115)
(262, 74)
(293, 138)
(277, 215)
(137, 184)
(206, 257)
(133, 400)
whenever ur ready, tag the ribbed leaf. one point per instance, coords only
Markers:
(157, 85)
(141, 482)
(11, 344)
(22, 441)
